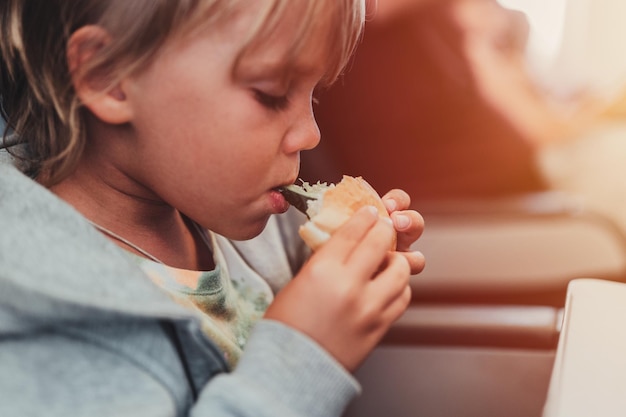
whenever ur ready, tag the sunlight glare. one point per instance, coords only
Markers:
(546, 19)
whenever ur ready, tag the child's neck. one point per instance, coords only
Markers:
(155, 227)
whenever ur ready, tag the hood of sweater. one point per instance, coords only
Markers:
(56, 268)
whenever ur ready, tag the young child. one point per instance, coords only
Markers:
(146, 256)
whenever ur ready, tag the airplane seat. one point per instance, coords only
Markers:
(479, 338)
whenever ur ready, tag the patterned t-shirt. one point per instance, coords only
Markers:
(231, 306)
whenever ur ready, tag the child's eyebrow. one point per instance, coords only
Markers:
(282, 70)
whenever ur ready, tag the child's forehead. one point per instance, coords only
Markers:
(299, 39)
(334, 25)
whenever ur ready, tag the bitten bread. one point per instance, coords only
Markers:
(334, 205)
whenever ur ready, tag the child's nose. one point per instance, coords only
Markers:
(304, 133)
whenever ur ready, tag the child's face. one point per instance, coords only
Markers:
(216, 146)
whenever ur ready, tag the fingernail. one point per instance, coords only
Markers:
(373, 210)
(390, 204)
(401, 221)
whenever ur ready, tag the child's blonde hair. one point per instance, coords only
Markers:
(38, 100)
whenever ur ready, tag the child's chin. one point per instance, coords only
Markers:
(249, 231)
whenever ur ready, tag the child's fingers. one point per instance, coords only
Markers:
(410, 225)
(392, 281)
(389, 292)
(368, 256)
(409, 222)
(416, 260)
(397, 307)
(396, 199)
(343, 242)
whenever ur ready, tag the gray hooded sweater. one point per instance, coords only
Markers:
(83, 332)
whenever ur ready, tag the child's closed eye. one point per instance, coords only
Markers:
(270, 101)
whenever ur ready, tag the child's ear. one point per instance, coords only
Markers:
(106, 103)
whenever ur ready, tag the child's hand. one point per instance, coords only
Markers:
(351, 290)
(409, 224)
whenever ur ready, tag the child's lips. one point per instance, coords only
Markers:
(278, 202)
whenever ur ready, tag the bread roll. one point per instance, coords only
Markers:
(334, 205)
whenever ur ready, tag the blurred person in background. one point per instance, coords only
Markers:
(439, 101)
